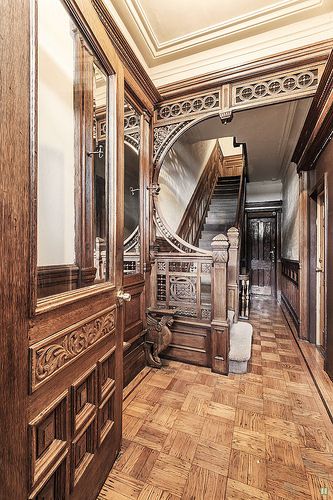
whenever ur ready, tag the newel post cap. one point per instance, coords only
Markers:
(220, 246)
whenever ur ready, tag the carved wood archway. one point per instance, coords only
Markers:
(174, 117)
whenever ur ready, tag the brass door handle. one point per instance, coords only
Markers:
(124, 296)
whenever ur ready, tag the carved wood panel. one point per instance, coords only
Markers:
(54, 353)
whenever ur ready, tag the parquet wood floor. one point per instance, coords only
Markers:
(191, 434)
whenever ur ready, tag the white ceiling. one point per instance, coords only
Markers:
(165, 32)
(270, 134)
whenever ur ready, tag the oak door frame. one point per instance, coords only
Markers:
(320, 187)
(67, 311)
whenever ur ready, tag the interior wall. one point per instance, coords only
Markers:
(56, 216)
(264, 191)
(179, 176)
(290, 214)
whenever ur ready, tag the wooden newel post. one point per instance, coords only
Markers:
(233, 271)
(220, 322)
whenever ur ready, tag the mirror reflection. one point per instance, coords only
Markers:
(131, 191)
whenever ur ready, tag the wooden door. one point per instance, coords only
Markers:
(77, 300)
(320, 272)
(261, 246)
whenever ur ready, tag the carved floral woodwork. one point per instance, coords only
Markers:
(57, 351)
(174, 115)
(220, 245)
(158, 335)
(164, 135)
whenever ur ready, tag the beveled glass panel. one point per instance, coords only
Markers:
(72, 192)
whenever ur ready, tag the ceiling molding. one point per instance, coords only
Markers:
(126, 53)
(287, 60)
(216, 32)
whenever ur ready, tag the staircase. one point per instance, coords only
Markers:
(222, 210)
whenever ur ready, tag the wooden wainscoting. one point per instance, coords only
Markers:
(134, 349)
(290, 288)
(190, 342)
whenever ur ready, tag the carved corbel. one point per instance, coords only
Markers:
(158, 335)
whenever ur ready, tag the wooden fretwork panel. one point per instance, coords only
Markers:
(48, 438)
(83, 399)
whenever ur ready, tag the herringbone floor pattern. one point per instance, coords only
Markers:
(193, 435)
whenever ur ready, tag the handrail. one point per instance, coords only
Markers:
(131, 240)
(173, 239)
(190, 226)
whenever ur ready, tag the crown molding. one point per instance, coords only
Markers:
(318, 127)
(126, 53)
(215, 32)
(283, 61)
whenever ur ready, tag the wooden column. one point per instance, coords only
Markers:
(304, 256)
(220, 322)
(14, 246)
(233, 271)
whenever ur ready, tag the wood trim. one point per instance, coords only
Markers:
(290, 293)
(304, 254)
(309, 54)
(317, 129)
(14, 245)
(125, 52)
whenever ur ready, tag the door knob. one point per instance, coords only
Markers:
(123, 296)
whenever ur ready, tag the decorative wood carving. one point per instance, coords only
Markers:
(164, 135)
(220, 323)
(57, 351)
(183, 283)
(193, 105)
(233, 270)
(158, 335)
(244, 296)
(276, 87)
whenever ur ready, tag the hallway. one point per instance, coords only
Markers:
(191, 434)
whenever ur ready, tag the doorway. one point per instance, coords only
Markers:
(262, 253)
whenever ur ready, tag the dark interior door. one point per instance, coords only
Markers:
(262, 255)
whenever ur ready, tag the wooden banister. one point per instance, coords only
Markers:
(190, 226)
